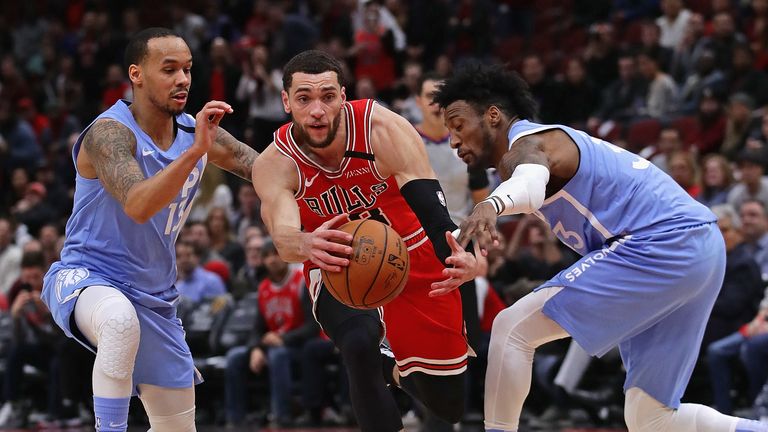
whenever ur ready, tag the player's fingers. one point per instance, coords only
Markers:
(452, 243)
(456, 273)
(335, 248)
(336, 236)
(335, 220)
(443, 287)
(331, 259)
(220, 105)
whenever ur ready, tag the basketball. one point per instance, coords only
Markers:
(377, 270)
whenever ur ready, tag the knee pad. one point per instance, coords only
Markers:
(643, 413)
(442, 395)
(181, 422)
(358, 341)
(117, 331)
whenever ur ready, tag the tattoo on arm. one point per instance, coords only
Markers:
(528, 149)
(240, 156)
(110, 146)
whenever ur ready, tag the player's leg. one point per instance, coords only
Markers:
(443, 396)
(169, 409)
(643, 413)
(107, 319)
(516, 333)
(357, 334)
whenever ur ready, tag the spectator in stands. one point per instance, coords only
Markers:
(758, 136)
(650, 42)
(752, 185)
(544, 90)
(669, 143)
(220, 80)
(23, 148)
(622, 98)
(198, 234)
(601, 54)
(116, 87)
(672, 23)
(10, 255)
(684, 169)
(662, 94)
(223, 241)
(706, 76)
(754, 353)
(689, 49)
(33, 342)
(195, 283)
(32, 210)
(724, 39)
(283, 325)
(534, 252)
(40, 123)
(374, 51)
(580, 96)
(742, 287)
(49, 243)
(259, 89)
(738, 125)
(745, 78)
(716, 180)
(708, 136)
(754, 219)
(247, 213)
(253, 271)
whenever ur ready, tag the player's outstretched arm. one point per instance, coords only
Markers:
(230, 154)
(275, 181)
(400, 152)
(110, 149)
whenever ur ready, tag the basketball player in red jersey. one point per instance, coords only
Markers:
(339, 161)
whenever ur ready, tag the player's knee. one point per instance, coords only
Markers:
(118, 333)
(181, 422)
(505, 326)
(357, 342)
(443, 395)
(643, 413)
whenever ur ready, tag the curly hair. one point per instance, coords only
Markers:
(484, 85)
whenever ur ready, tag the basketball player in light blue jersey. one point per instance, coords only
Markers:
(138, 168)
(652, 266)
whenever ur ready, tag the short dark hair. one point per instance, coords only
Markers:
(312, 62)
(484, 85)
(428, 76)
(32, 259)
(136, 50)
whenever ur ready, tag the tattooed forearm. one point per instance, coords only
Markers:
(237, 157)
(110, 147)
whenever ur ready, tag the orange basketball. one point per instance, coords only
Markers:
(378, 266)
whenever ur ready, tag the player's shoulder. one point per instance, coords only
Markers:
(110, 130)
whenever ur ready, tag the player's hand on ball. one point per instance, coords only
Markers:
(480, 226)
(465, 268)
(326, 247)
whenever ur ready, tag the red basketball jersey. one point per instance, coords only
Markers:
(281, 306)
(356, 187)
(426, 334)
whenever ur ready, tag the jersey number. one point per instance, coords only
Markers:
(373, 214)
(570, 238)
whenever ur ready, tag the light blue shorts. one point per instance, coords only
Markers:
(650, 294)
(163, 358)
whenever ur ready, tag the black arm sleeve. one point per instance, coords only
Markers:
(426, 199)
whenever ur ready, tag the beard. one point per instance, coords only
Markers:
(167, 107)
(303, 136)
(483, 158)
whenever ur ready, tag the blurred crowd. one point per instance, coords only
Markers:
(682, 83)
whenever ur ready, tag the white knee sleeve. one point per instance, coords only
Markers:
(181, 422)
(517, 331)
(169, 409)
(108, 319)
(643, 413)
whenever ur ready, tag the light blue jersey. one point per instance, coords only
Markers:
(652, 266)
(104, 246)
(614, 193)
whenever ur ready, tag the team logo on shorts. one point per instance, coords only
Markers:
(441, 198)
(68, 278)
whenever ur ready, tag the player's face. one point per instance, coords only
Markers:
(470, 136)
(165, 74)
(426, 103)
(314, 102)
